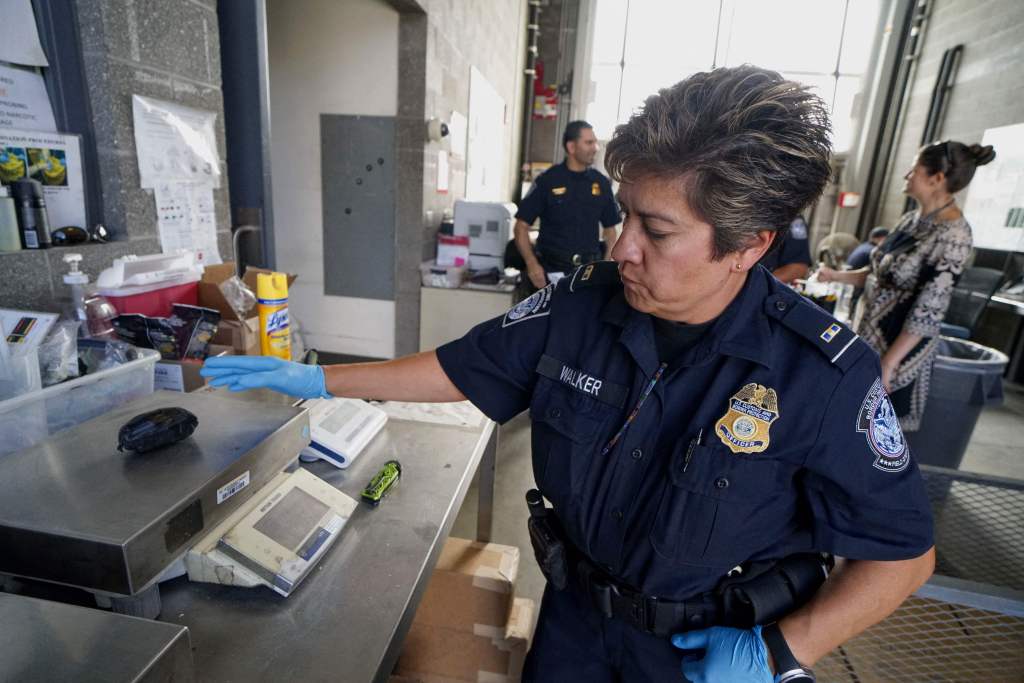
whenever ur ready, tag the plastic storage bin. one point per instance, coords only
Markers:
(30, 418)
(448, 277)
(966, 377)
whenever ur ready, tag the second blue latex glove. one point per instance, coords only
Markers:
(239, 373)
(731, 655)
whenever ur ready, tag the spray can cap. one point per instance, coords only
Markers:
(74, 276)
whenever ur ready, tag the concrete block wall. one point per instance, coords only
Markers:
(167, 49)
(439, 42)
(989, 88)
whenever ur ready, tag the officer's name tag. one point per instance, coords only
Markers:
(606, 392)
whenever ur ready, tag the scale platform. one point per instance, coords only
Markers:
(74, 510)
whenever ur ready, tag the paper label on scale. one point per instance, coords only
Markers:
(168, 377)
(232, 487)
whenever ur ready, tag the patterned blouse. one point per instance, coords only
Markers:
(909, 287)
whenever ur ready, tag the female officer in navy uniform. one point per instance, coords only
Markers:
(690, 413)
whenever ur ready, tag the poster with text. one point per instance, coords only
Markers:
(995, 198)
(55, 160)
(24, 104)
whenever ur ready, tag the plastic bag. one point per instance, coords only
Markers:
(58, 353)
(239, 296)
(96, 355)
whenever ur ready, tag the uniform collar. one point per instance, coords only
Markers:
(575, 174)
(742, 330)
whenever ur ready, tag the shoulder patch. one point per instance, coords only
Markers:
(798, 228)
(837, 341)
(536, 305)
(877, 420)
(596, 274)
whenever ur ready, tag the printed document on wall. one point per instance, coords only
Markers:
(19, 37)
(24, 103)
(187, 219)
(174, 143)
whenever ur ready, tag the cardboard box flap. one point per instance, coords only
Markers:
(251, 272)
(494, 566)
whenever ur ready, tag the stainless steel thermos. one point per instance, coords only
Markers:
(30, 204)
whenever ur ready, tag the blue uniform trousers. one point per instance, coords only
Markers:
(574, 642)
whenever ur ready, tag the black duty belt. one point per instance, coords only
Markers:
(557, 258)
(752, 594)
(758, 592)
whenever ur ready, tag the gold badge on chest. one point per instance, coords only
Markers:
(744, 427)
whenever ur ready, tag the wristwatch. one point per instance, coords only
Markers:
(787, 669)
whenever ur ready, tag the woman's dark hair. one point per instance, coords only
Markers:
(957, 160)
(751, 148)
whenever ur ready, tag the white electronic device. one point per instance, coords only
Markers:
(489, 228)
(340, 428)
(273, 540)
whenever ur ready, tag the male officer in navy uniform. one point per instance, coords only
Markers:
(696, 424)
(791, 259)
(572, 200)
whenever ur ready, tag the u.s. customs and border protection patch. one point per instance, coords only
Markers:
(877, 420)
(744, 427)
(533, 306)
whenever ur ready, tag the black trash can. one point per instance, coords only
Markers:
(966, 377)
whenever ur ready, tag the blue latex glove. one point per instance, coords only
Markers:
(239, 373)
(731, 655)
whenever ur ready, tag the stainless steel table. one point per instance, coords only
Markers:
(347, 621)
(49, 641)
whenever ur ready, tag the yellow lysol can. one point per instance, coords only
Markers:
(272, 306)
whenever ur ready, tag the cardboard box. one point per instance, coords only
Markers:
(241, 334)
(437, 654)
(472, 584)
(468, 626)
(183, 375)
(211, 296)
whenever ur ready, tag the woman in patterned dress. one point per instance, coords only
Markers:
(909, 280)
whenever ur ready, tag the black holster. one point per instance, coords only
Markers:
(547, 540)
(763, 592)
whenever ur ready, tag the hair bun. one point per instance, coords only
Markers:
(982, 155)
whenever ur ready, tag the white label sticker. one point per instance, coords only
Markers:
(232, 487)
(168, 377)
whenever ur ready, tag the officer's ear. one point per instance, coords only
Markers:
(759, 244)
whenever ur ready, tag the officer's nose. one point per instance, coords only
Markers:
(626, 249)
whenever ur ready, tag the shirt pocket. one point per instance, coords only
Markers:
(566, 437)
(718, 508)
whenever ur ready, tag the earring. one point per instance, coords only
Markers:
(739, 266)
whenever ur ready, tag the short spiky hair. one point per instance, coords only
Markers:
(751, 147)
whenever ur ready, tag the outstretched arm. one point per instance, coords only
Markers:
(413, 378)
(418, 377)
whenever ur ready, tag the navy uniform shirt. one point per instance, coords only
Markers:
(771, 435)
(570, 206)
(794, 248)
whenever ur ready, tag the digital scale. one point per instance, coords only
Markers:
(340, 429)
(275, 540)
(216, 505)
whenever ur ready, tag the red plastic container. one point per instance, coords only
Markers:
(154, 300)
